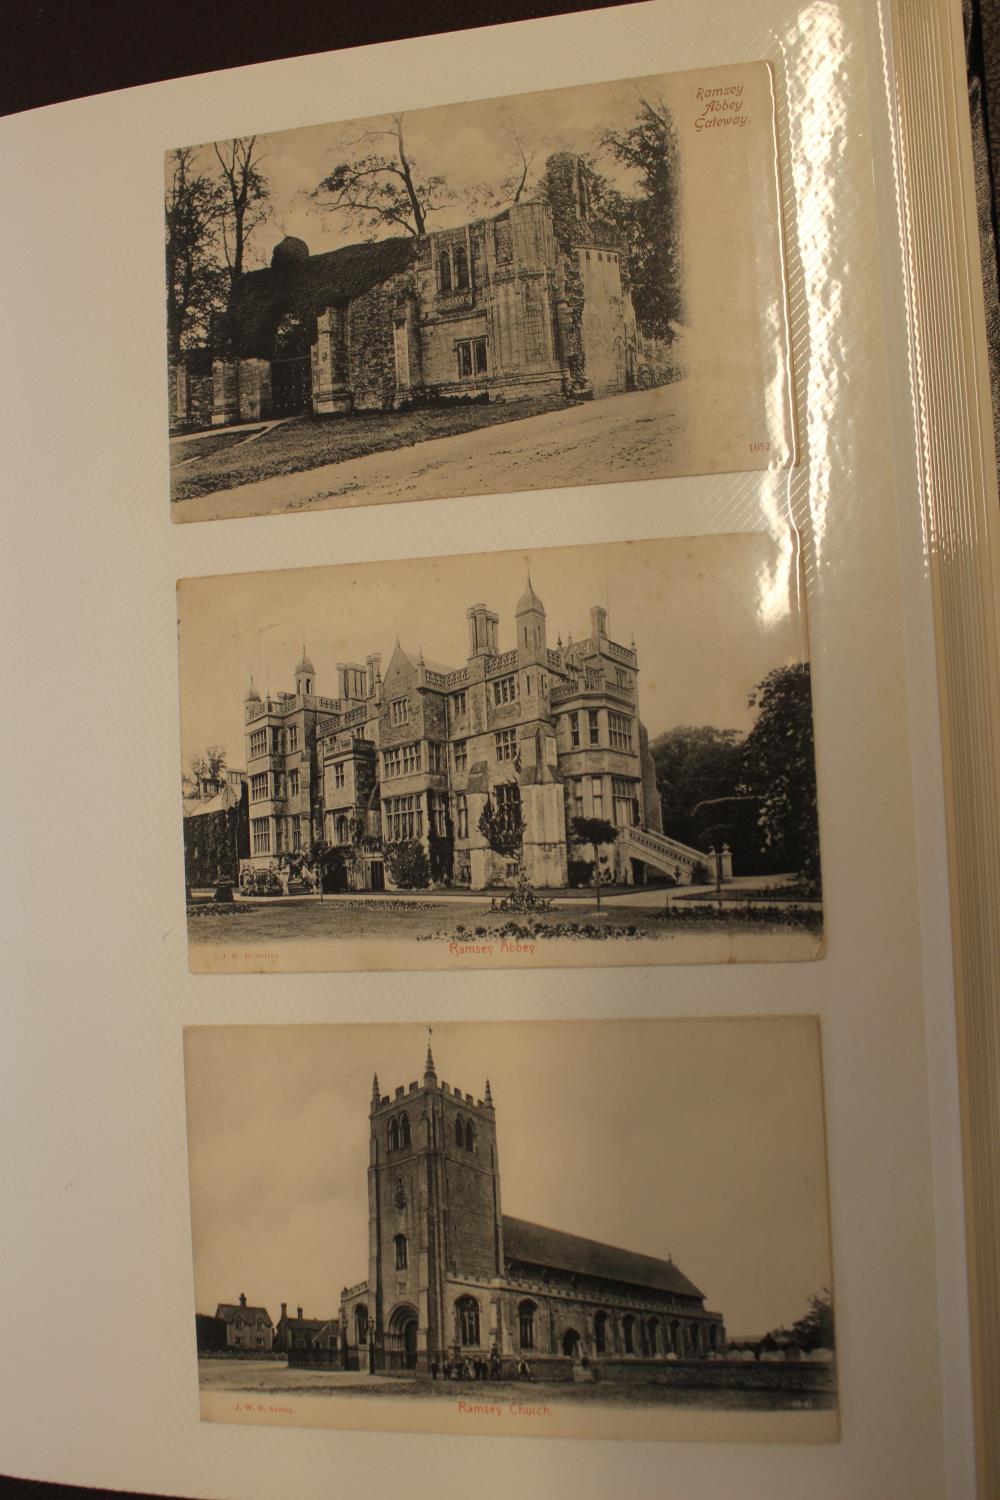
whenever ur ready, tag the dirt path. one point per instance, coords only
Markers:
(619, 438)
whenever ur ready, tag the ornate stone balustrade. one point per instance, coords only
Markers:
(447, 680)
(624, 653)
(658, 843)
(502, 663)
(287, 705)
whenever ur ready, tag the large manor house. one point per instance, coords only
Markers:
(538, 734)
(451, 1277)
(529, 302)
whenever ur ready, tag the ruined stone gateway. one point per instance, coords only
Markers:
(527, 303)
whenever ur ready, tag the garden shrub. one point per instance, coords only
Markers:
(406, 864)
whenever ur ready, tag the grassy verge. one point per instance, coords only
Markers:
(310, 442)
(378, 920)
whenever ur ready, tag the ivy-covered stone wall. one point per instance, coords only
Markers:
(371, 354)
(214, 844)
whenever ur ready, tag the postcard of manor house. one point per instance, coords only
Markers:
(594, 754)
(568, 287)
(391, 1230)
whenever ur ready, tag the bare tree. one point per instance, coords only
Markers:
(246, 200)
(381, 188)
(514, 184)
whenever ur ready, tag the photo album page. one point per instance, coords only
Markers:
(493, 982)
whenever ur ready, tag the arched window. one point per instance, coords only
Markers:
(460, 263)
(526, 1324)
(601, 1332)
(342, 829)
(628, 1333)
(470, 1136)
(653, 1336)
(309, 686)
(404, 1132)
(459, 1133)
(393, 1135)
(444, 271)
(695, 1333)
(361, 1324)
(467, 1312)
(401, 1255)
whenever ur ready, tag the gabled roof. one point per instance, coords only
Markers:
(230, 1311)
(200, 807)
(314, 1324)
(415, 658)
(535, 1245)
(305, 287)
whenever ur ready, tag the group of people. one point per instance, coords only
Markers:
(477, 1368)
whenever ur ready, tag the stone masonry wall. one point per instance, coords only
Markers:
(371, 354)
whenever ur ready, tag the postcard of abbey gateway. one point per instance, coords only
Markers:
(561, 288)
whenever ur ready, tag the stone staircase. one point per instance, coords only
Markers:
(661, 853)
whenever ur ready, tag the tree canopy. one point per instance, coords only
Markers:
(695, 764)
(816, 1329)
(209, 763)
(195, 278)
(755, 792)
(779, 769)
(648, 223)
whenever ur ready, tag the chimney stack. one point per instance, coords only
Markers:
(299, 1315)
(243, 1299)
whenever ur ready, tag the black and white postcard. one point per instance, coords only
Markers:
(393, 1227)
(579, 755)
(562, 288)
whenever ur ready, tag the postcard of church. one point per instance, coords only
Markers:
(569, 287)
(391, 1228)
(593, 754)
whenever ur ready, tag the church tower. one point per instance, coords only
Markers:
(434, 1215)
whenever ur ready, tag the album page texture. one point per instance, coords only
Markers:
(472, 1111)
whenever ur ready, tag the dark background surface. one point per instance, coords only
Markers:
(53, 50)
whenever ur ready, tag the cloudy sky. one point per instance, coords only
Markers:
(470, 145)
(702, 1140)
(710, 617)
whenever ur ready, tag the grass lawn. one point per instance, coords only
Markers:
(276, 1379)
(202, 465)
(301, 921)
(596, 1393)
(740, 897)
(208, 444)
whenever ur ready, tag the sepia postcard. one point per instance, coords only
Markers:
(585, 754)
(377, 1246)
(569, 287)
